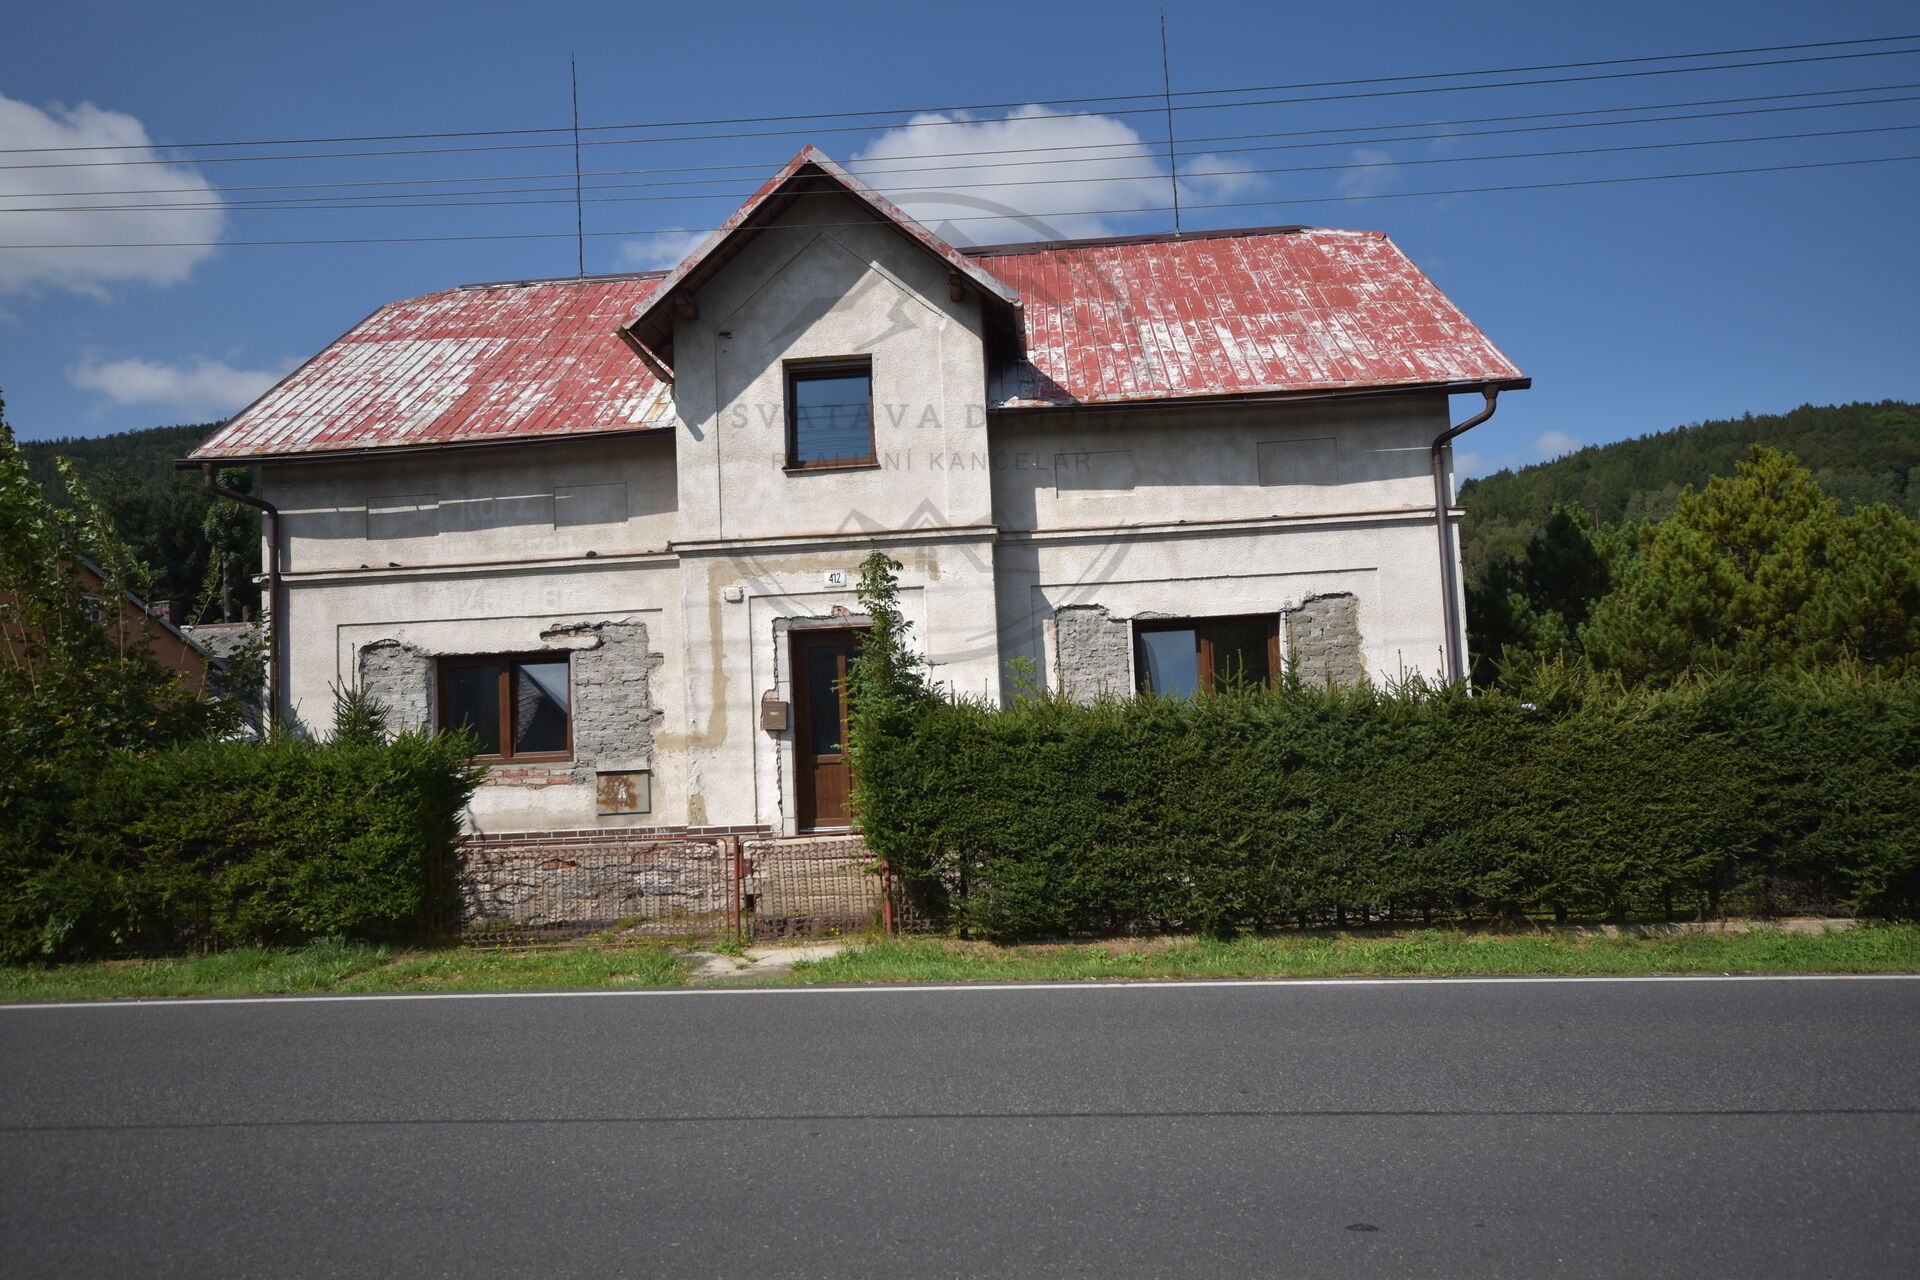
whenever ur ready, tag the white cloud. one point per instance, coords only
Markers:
(1211, 177)
(1467, 463)
(990, 182)
(662, 251)
(1371, 172)
(211, 387)
(39, 189)
(1554, 444)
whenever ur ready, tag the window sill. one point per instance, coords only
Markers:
(851, 464)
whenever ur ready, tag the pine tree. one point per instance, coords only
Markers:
(1759, 571)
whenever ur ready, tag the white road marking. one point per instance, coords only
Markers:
(1145, 984)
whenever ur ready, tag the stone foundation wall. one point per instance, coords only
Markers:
(542, 879)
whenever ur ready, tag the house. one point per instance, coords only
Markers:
(614, 522)
(135, 624)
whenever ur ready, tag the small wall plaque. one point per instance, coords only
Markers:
(834, 577)
(628, 791)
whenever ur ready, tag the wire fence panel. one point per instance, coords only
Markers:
(904, 916)
(809, 888)
(559, 886)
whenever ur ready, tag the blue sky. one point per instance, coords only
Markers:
(1635, 306)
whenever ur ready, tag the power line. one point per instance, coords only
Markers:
(978, 106)
(974, 186)
(989, 217)
(934, 124)
(444, 200)
(865, 169)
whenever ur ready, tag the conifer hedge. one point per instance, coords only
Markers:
(126, 825)
(1570, 798)
(219, 844)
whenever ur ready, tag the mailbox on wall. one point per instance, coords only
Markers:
(775, 715)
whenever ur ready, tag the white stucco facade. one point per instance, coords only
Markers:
(686, 557)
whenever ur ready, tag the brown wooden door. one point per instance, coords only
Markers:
(822, 778)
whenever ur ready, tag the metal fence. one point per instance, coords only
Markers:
(809, 888)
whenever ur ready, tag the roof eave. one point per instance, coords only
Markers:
(196, 461)
(1268, 396)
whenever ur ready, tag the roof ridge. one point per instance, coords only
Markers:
(1146, 237)
(515, 284)
(972, 251)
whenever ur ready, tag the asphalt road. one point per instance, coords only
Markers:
(1664, 1127)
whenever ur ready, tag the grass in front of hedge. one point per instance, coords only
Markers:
(327, 967)
(343, 967)
(1428, 952)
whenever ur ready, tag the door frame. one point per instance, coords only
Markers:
(799, 638)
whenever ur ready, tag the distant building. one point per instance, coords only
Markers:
(136, 622)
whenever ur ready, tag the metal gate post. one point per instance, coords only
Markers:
(736, 875)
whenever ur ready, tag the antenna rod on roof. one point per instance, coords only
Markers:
(1166, 95)
(579, 211)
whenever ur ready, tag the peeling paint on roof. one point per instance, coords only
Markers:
(1140, 319)
(478, 363)
(1233, 314)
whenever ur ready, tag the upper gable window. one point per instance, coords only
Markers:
(829, 413)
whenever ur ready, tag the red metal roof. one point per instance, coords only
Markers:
(1234, 313)
(536, 359)
(1131, 319)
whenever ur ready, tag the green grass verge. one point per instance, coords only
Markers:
(347, 967)
(1434, 952)
(329, 967)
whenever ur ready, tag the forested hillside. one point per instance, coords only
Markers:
(166, 517)
(149, 453)
(1757, 544)
(1859, 453)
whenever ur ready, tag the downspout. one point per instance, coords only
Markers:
(276, 686)
(1456, 660)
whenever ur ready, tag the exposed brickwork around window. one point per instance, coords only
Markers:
(1094, 651)
(1323, 641)
(611, 677)
(614, 716)
(400, 677)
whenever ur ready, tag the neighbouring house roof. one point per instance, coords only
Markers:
(1272, 311)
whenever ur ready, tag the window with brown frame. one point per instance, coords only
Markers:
(520, 706)
(1181, 656)
(829, 414)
